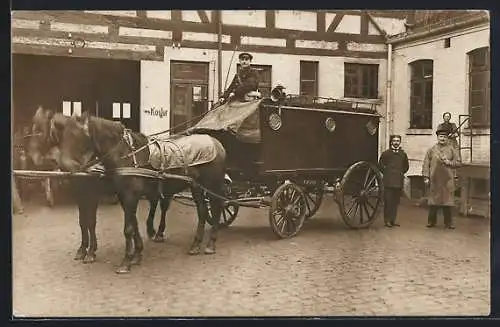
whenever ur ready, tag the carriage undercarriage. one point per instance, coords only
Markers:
(292, 198)
(286, 157)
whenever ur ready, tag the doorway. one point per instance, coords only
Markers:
(188, 93)
(75, 85)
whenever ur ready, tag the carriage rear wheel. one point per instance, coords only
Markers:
(229, 211)
(314, 197)
(288, 210)
(360, 195)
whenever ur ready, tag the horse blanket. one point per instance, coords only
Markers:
(240, 119)
(183, 152)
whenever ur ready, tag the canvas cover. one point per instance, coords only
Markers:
(186, 151)
(240, 119)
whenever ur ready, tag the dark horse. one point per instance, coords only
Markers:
(108, 140)
(46, 134)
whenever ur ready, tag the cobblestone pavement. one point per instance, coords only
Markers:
(327, 269)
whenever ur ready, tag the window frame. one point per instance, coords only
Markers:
(262, 85)
(484, 72)
(315, 81)
(421, 103)
(358, 79)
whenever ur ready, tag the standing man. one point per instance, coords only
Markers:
(438, 170)
(246, 80)
(450, 127)
(393, 164)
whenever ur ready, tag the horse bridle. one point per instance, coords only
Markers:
(126, 137)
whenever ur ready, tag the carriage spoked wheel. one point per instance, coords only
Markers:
(314, 197)
(229, 211)
(360, 195)
(288, 210)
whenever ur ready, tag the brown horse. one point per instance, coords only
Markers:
(86, 134)
(46, 134)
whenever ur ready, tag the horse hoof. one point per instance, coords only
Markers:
(151, 234)
(136, 260)
(89, 258)
(123, 270)
(158, 238)
(209, 251)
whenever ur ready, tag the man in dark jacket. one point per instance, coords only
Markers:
(393, 164)
(449, 127)
(246, 80)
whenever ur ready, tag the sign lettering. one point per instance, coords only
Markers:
(158, 112)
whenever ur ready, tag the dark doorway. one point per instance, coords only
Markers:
(67, 84)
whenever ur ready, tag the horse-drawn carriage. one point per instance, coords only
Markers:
(294, 151)
(283, 154)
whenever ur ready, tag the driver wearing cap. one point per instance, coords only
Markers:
(245, 80)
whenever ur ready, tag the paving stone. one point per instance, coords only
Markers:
(327, 269)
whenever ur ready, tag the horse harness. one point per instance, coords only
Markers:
(129, 140)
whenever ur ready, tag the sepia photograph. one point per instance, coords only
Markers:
(250, 163)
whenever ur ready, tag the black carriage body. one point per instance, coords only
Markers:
(304, 145)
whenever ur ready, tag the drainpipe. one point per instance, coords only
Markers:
(219, 53)
(388, 96)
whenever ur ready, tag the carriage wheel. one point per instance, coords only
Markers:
(314, 197)
(360, 195)
(288, 210)
(229, 214)
(229, 211)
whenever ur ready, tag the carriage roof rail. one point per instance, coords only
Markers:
(331, 103)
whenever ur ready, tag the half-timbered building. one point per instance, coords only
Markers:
(156, 69)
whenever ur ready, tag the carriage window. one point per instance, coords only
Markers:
(421, 94)
(360, 81)
(264, 72)
(479, 87)
(309, 78)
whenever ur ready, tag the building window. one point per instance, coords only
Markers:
(479, 87)
(309, 78)
(421, 94)
(361, 81)
(121, 110)
(70, 108)
(264, 72)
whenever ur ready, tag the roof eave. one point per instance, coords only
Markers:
(437, 31)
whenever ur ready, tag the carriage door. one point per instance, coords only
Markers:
(188, 93)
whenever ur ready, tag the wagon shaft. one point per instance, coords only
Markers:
(45, 174)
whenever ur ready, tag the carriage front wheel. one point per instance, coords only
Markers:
(360, 194)
(288, 210)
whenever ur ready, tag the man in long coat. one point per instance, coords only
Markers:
(394, 164)
(438, 171)
(245, 80)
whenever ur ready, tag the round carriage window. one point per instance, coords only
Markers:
(371, 126)
(330, 124)
(275, 121)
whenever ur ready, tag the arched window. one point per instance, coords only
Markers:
(479, 87)
(421, 94)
